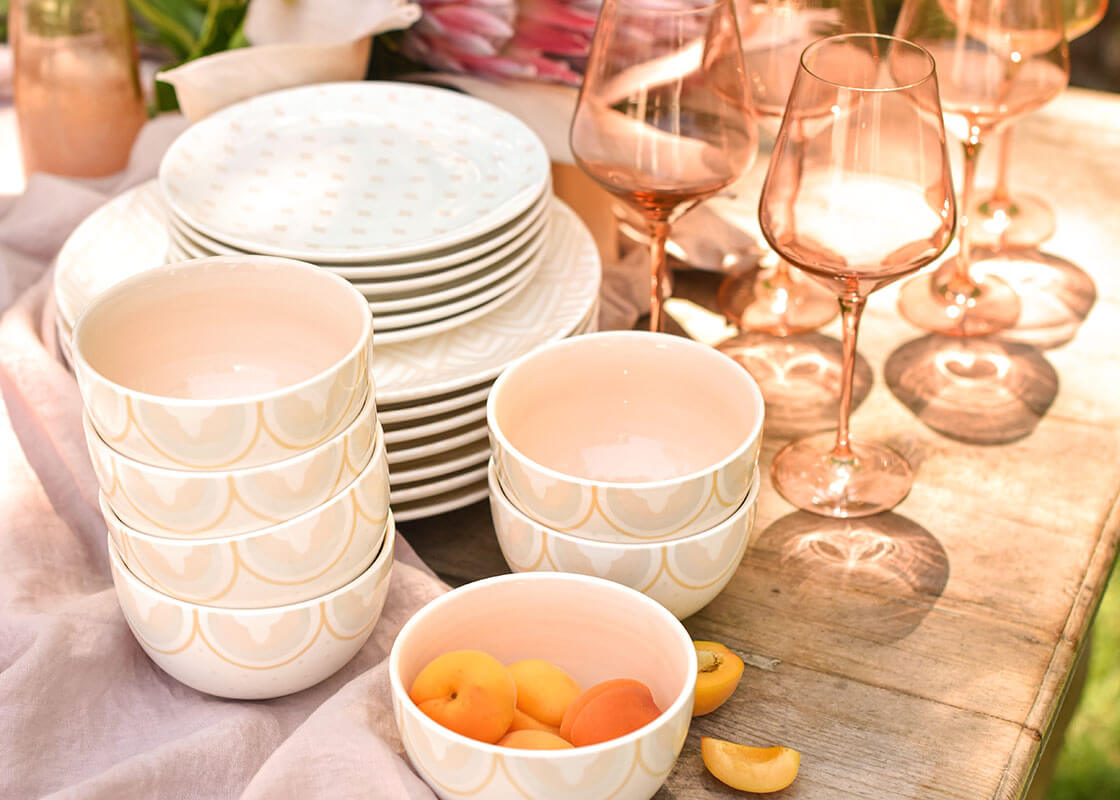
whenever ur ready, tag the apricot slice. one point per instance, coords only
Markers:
(718, 673)
(616, 712)
(523, 722)
(750, 769)
(544, 691)
(534, 740)
(588, 695)
(469, 692)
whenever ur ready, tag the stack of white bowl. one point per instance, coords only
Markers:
(628, 456)
(230, 417)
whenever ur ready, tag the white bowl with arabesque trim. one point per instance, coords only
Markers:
(223, 363)
(626, 436)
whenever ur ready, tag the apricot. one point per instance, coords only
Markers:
(590, 694)
(469, 692)
(544, 691)
(616, 712)
(750, 769)
(534, 740)
(523, 722)
(718, 673)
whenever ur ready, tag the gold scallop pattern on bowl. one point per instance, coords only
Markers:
(701, 503)
(192, 511)
(634, 770)
(199, 575)
(220, 437)
(261, 641)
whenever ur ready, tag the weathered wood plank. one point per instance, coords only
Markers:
(926, 657)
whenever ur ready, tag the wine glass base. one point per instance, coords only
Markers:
(775, 302)
(1025, 220)
(989, 305)
(809, 475)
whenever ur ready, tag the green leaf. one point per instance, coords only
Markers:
(177, 22)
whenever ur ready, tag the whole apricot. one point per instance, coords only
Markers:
(616, 712)
(588, 695)
(750, 769)
(718, 673)
(544, 691)
(469, 692)
(534, 740)
(523, 722)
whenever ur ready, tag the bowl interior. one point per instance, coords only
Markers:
(593, 629)
(627, 408)
(221, 329)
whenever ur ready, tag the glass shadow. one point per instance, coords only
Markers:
(1056, 294)
(977, 391)
(799, 376)
(880, 575)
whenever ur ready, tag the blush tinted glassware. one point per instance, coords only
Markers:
(996, 61)
(664, 118)
(858, 194)
(779, 300)
(1005, 220)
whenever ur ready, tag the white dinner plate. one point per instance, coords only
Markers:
(556, 304)
(124, 237)
(550, 307)
(404, 493)
(441, 504)
(435, 445)
(430, 407)
(444, 464)
(403, 286)
(444, 265)
(472, 282)
(397, 435)
(353, 172)
(458, 311)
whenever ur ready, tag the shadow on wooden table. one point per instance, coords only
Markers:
(978, 391)
(1056, 295)
(799, 376)
(878, 575)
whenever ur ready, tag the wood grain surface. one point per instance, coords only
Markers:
(924, 653)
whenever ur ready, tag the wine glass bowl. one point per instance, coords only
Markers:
(996, 61)
(664, 119)
(858, 194)
(777, 299)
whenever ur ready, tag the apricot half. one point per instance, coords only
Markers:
(469, 692)
(586, 697)
(534, 740)
(544, 691)
(718, 673)
(616, 712)
(750, 769)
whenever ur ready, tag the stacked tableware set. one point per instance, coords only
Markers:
(243, 472)
(629, 456)
(436, 207)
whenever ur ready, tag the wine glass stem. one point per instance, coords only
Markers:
(851, 309)
(658, 236)
(1001, 196)
(962, 285)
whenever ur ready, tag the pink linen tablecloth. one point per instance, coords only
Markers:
(83, 712)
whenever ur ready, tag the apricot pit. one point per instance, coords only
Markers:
(718, 673)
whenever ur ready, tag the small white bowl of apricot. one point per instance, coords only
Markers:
(544, 685)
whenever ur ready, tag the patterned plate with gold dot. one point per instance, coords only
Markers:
(353, 172)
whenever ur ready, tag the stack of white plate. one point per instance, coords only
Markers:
(435, 205)
(431, 392)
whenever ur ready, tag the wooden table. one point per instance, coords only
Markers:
(925, 653)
